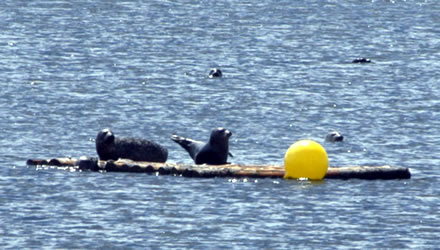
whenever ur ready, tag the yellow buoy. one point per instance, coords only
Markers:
(306, 159)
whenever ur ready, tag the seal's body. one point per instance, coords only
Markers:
(215, 152)
(110, 147)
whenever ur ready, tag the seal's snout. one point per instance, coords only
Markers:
(228, 133)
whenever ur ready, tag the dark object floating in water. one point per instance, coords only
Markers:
(206, 171)
(334, 136)
(215, 73)
(361, 60)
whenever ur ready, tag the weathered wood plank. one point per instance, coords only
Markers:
(230, 170)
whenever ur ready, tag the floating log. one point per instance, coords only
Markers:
(59, 162)
(229, 170)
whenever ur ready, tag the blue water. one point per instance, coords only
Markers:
(72, 68)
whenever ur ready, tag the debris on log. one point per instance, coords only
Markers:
(209, 171)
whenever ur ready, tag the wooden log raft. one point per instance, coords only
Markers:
(230, 170)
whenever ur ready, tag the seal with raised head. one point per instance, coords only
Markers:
(334, 136)
(215, 73)
(214, 152)
(110, 147)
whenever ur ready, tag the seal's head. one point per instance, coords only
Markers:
(215, 73)
(220, 136)
(334, 136)
(221, 133)
(105, 137)
(361, 60)
(105, 144)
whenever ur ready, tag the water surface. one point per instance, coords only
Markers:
(70, 69)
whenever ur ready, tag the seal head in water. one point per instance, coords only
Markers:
(215, 73)
(334, 136)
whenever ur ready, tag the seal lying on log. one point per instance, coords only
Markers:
(215, 152)
(110, 147)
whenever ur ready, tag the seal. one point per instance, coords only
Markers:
(110, 147)
(334, 136)
(214, 152)
(361, 60)
(215, 73)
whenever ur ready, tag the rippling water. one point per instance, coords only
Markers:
(70, 69)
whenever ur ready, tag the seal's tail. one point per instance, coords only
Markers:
(191, 146)
(182, 141)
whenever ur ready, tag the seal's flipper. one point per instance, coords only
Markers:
(191, 146)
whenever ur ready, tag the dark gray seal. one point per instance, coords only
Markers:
(361, 60)
(334, 137)
(110, 147)
(215, 152)
(215, 73)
